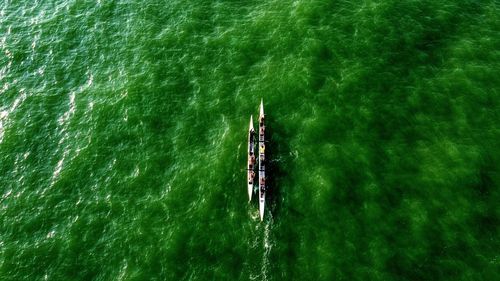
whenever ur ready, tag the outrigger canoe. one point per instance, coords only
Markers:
(262, 165)
(251, 159)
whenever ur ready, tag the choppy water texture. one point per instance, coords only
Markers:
(123, 129)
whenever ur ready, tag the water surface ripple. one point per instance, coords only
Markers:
(123, 129)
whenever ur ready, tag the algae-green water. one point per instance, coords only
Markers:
(123, 129)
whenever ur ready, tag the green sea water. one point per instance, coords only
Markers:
(123, 129)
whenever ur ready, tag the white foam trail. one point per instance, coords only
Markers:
(267, 247)
(267, 243)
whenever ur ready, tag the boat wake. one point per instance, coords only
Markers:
(267, 244)
(264, 243)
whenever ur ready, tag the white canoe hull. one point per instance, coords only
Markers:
(262, 168)
(251, 150)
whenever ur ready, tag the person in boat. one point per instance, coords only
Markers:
(251, 160)
(262, 130)
(262, 151)
(262, 184)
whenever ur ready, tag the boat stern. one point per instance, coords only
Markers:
(250, 192)
(261, 208)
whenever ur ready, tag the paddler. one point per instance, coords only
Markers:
(251, 175)
(251, 161)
